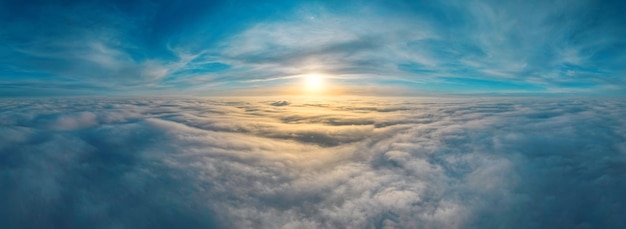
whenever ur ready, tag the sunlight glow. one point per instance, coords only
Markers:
(314, 82)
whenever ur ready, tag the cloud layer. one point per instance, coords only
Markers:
(305, 163)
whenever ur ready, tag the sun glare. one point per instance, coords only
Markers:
(314, 82)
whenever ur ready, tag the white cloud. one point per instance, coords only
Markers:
(345, 163)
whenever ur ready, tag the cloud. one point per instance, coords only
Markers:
(345, 163)
(532, 47)
(280, 103)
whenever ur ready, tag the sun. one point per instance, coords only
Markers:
(314, 82)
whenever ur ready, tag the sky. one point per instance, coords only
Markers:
(375, 48)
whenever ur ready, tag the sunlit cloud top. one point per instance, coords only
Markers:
(360, 47)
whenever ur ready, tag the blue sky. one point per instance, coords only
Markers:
(365, 47)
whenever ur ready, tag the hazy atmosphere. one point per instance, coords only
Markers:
(312, 114)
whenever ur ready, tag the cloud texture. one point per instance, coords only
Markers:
(304, 163)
